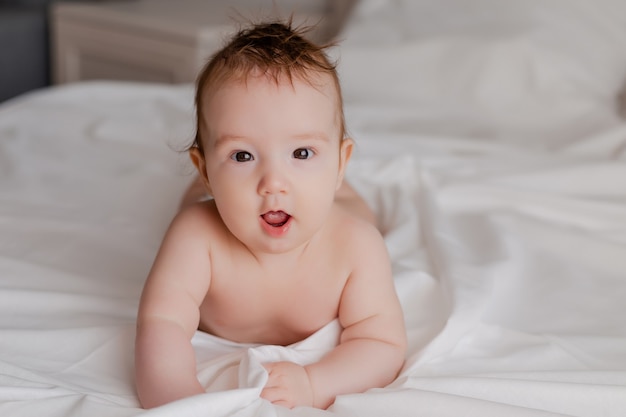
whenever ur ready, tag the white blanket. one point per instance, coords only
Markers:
(509, 266)
(90, 180)
(507, 237)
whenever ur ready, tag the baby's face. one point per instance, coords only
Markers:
(274, 159)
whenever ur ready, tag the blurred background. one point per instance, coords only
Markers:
(48, 42)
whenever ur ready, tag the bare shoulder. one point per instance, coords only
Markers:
(369, 305)
(357, 235)
(360, 248)
(191, 237)
(181, 273)
(198, 219)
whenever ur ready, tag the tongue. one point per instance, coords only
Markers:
(275, 218)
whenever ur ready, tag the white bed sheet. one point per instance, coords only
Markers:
(507, 233)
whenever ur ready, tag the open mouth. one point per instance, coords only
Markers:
(276, 218)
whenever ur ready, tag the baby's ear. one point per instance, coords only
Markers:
(197, 158)
(345, 153)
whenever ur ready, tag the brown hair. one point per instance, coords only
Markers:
(276, 50)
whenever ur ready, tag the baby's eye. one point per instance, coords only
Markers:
(242, 156)
(302, 153)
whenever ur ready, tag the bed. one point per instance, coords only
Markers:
(491, 144)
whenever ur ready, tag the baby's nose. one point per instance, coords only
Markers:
(273, 181)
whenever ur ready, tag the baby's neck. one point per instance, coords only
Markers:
(284, 260)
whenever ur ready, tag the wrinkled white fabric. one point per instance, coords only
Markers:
(506, 231)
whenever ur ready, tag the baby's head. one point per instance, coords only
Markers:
(270, 143)
(273, 50)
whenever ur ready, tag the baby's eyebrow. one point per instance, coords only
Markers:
(321, 136)
(228, 137)
(224, 139)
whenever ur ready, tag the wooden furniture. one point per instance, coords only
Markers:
(154, 40)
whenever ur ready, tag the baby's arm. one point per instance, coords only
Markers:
(373, 342)
(372, 345)
(168, 317)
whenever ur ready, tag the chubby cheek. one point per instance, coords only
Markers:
(227, 178)
(238, 210)
(234, 193)
(316, 185)
(316, 197)
(233, 196)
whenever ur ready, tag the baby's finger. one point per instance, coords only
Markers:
(276, 396)
(283, 403)
(273, 394)
(272, 379)
(269, 366)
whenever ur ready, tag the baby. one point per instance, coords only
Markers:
(278, 252)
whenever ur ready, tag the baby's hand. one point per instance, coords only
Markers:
(288, 385)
